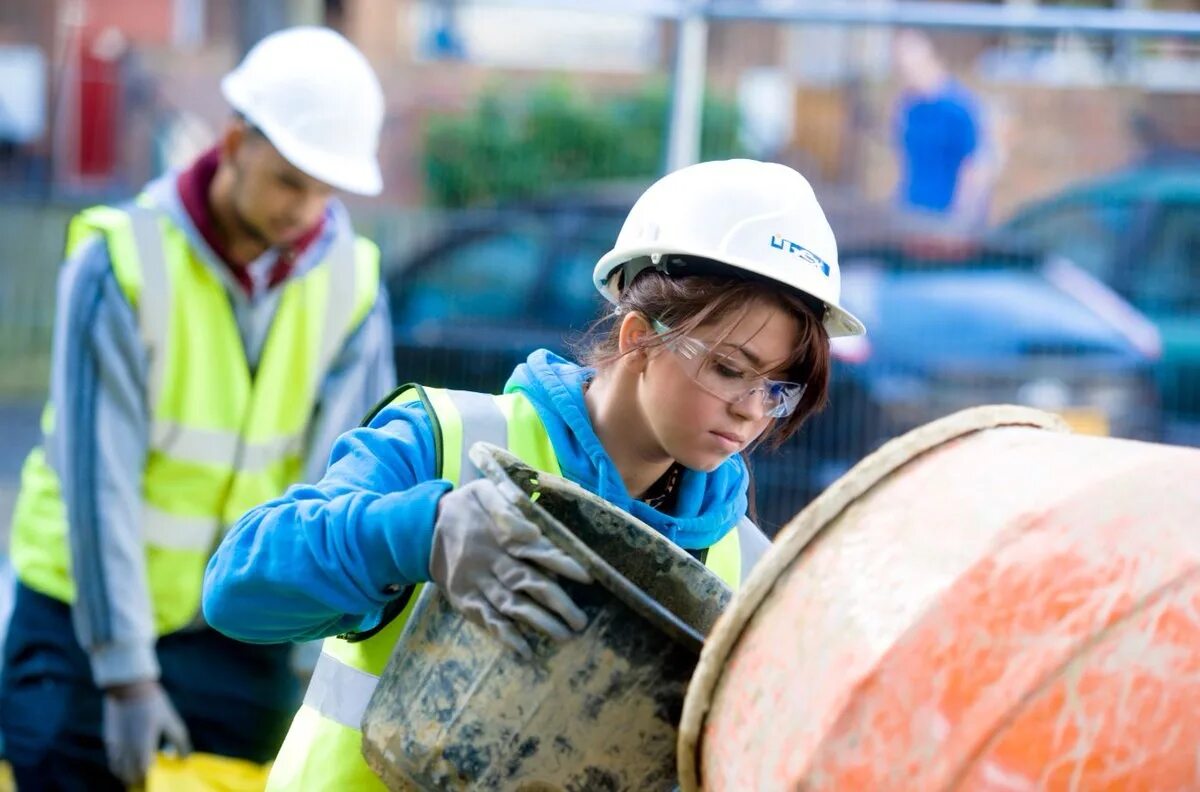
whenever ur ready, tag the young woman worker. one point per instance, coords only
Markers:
(725, 287)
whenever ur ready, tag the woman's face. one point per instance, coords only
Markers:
(701, 430)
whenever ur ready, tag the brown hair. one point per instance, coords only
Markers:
(688, 302)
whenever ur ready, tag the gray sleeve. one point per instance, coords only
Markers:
(98, 449)
(362, 374)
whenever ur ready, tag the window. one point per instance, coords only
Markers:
(1168, 280)
(1089, 235)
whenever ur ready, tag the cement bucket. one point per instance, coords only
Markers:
(456, 709)
(988, 603)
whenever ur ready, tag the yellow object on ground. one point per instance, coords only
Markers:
(201, 772)
(1083, 420)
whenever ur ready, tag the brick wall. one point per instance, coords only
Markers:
(1051, 136)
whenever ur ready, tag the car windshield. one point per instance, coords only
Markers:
(491, 277)
(576, 302)
(521, 269)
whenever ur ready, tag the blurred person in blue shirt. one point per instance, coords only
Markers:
(946, 163)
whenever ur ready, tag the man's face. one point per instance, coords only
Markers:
(274, 200)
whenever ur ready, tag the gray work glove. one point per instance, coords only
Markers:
(496, 567)
(137, 718)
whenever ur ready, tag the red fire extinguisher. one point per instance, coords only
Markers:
(99, 103)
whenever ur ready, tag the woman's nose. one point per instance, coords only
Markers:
(750, 406)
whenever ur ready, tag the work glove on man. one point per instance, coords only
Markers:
(496, 567)
(137, 718)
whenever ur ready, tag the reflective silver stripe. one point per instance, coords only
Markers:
(753, 544)
(174, 532)
(154, 301)
(188, 444)
(48, 453)
(339, 692)
(217, 448)
(47, 424)
(257, 457)
(343, 290)
(482, 420)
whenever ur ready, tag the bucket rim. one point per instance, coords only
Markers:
(799, 532)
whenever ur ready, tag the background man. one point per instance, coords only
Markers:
(213, 337)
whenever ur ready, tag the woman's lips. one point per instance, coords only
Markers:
(729, 439)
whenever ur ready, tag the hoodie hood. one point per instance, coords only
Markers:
(708, 504)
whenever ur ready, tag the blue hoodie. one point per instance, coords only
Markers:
(324, 559)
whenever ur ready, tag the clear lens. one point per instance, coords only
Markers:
(729, 380)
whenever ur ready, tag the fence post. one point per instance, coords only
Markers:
(687, 88)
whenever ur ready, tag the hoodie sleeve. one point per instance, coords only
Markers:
(98, 449)
(325, 559)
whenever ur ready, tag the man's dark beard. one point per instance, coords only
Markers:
(249, 230)
(244, 226)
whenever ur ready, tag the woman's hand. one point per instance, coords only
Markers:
(497, 568)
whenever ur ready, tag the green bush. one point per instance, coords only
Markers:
(513, 145)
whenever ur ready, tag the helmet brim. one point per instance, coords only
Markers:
(838, 322)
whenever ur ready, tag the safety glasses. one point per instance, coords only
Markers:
(727, 379)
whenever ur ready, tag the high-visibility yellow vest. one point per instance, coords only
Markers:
(221, 439)
(323, 748)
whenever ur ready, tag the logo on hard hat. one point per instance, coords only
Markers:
(788, 246)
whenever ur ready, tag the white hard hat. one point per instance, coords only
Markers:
(315, 97)
(761, 218)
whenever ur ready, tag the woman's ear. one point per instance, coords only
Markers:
(631, 339)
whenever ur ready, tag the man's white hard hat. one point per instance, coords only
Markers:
(316, 98)
(755, 218)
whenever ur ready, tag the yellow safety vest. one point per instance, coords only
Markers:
(323, 748)
(221, 439)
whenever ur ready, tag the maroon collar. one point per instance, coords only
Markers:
(193, 184)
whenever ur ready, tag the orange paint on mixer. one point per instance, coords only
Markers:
(982, 604)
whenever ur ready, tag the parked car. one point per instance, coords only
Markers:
(1138, 231)
(948, 328)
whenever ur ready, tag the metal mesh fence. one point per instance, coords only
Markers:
(33, 235)
(1025, 229)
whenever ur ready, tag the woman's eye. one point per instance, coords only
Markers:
(728, 371)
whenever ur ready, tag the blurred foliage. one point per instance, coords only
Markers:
(510, 145)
